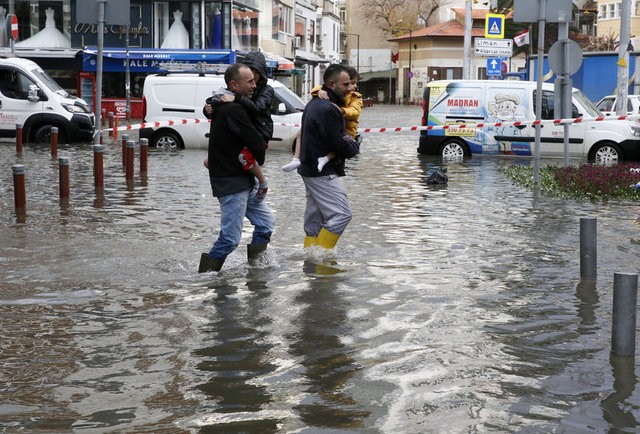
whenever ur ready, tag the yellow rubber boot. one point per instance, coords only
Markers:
(309, 241)
(327, 239)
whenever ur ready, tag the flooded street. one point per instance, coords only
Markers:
(454, 308)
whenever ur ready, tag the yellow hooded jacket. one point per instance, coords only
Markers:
(351, 110)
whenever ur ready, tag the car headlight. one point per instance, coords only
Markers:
(635, 131)
(76, 108)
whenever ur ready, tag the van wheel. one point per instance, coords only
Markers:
(167, 139)
(453, 150)
(605, 153)
(42, 135)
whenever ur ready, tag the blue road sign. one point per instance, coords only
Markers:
(494, 66)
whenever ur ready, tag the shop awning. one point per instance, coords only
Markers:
(378, 75)
(149, 59)
(283, 63)
(57, 53)
(310, 58)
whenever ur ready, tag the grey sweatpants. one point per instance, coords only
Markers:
(327, 205)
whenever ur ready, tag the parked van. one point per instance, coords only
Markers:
(175, 96)
(608, 105)
(493, 101)
(30, 97)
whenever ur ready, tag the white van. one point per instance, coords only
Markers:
(176, 96)
(30, 97)
(493, 101)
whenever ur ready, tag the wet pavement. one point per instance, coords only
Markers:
(454, 308)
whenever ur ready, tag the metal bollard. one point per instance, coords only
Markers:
(625, 299)
(63, 164)
(588, 248)
(111, 124)
(54, 142)
(115, 128)
(98, 168)
(144, 152)
(19, 193)
(103, 117)
(19, 139)
(125, 139)
(130, 158)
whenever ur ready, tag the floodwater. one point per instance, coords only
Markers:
(454, 308)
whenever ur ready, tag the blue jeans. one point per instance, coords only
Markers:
(233, 209)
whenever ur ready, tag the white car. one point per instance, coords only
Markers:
(177, 96)
(607, 105)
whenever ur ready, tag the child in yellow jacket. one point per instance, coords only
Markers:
(351, 111)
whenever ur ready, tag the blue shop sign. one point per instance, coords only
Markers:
(152, 60)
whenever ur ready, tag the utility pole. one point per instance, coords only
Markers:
(468, 24)
(623, 58)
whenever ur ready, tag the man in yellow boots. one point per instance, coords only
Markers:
(328, 210)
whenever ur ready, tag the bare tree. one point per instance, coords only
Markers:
(394, 17)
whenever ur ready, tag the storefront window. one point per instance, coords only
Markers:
(244, 32)
(175, 23)
(41, 24)
(214, 27)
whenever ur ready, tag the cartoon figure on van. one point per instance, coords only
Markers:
(504, 108)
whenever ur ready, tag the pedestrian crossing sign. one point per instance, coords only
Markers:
(494, 26)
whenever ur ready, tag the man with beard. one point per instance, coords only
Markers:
(328, 211)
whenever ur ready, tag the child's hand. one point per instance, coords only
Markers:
(322, 94)
(262, 191)
(206, 162)
(227, 98)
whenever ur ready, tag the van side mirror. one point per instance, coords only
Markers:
(34, 93)
(282, 108)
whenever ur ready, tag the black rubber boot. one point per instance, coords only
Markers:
(207, 263)
(253, 252)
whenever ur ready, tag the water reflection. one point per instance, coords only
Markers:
(236, 357)
(616, 408)
(328, 362)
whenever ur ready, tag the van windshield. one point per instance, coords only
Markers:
(589, 107)
(49, 82)
(293, 101)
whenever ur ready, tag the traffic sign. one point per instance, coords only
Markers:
(14, 26)
(493, 47)
(493, 66)
(494, 26)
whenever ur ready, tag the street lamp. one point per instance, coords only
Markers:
(357, 50)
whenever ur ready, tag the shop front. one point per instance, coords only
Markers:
(140, 62)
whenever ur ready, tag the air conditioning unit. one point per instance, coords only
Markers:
(295, 42)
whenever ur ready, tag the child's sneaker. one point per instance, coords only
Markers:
(321, 163)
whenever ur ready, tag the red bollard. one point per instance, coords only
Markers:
(144, 151)
(111, 124)
(115, 128)
(98, 168)
(54, 142)
(19, 139)
(103, 117)
(125, 139)
(130, 158)
(18, 188)
(63, 164)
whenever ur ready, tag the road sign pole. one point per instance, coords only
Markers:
(539, 72)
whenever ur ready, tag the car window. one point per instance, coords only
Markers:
(605, 105)
(14, 84)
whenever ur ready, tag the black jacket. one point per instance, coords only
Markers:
(322, 132)
(231, 130)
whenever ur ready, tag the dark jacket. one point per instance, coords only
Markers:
(323, 131)
(259, 105)
(231, 130)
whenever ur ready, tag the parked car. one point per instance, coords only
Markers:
(30, 97)
(506, 102)
(607, 105)
(176, 96)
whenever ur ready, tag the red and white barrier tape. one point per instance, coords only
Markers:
(479, 125)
